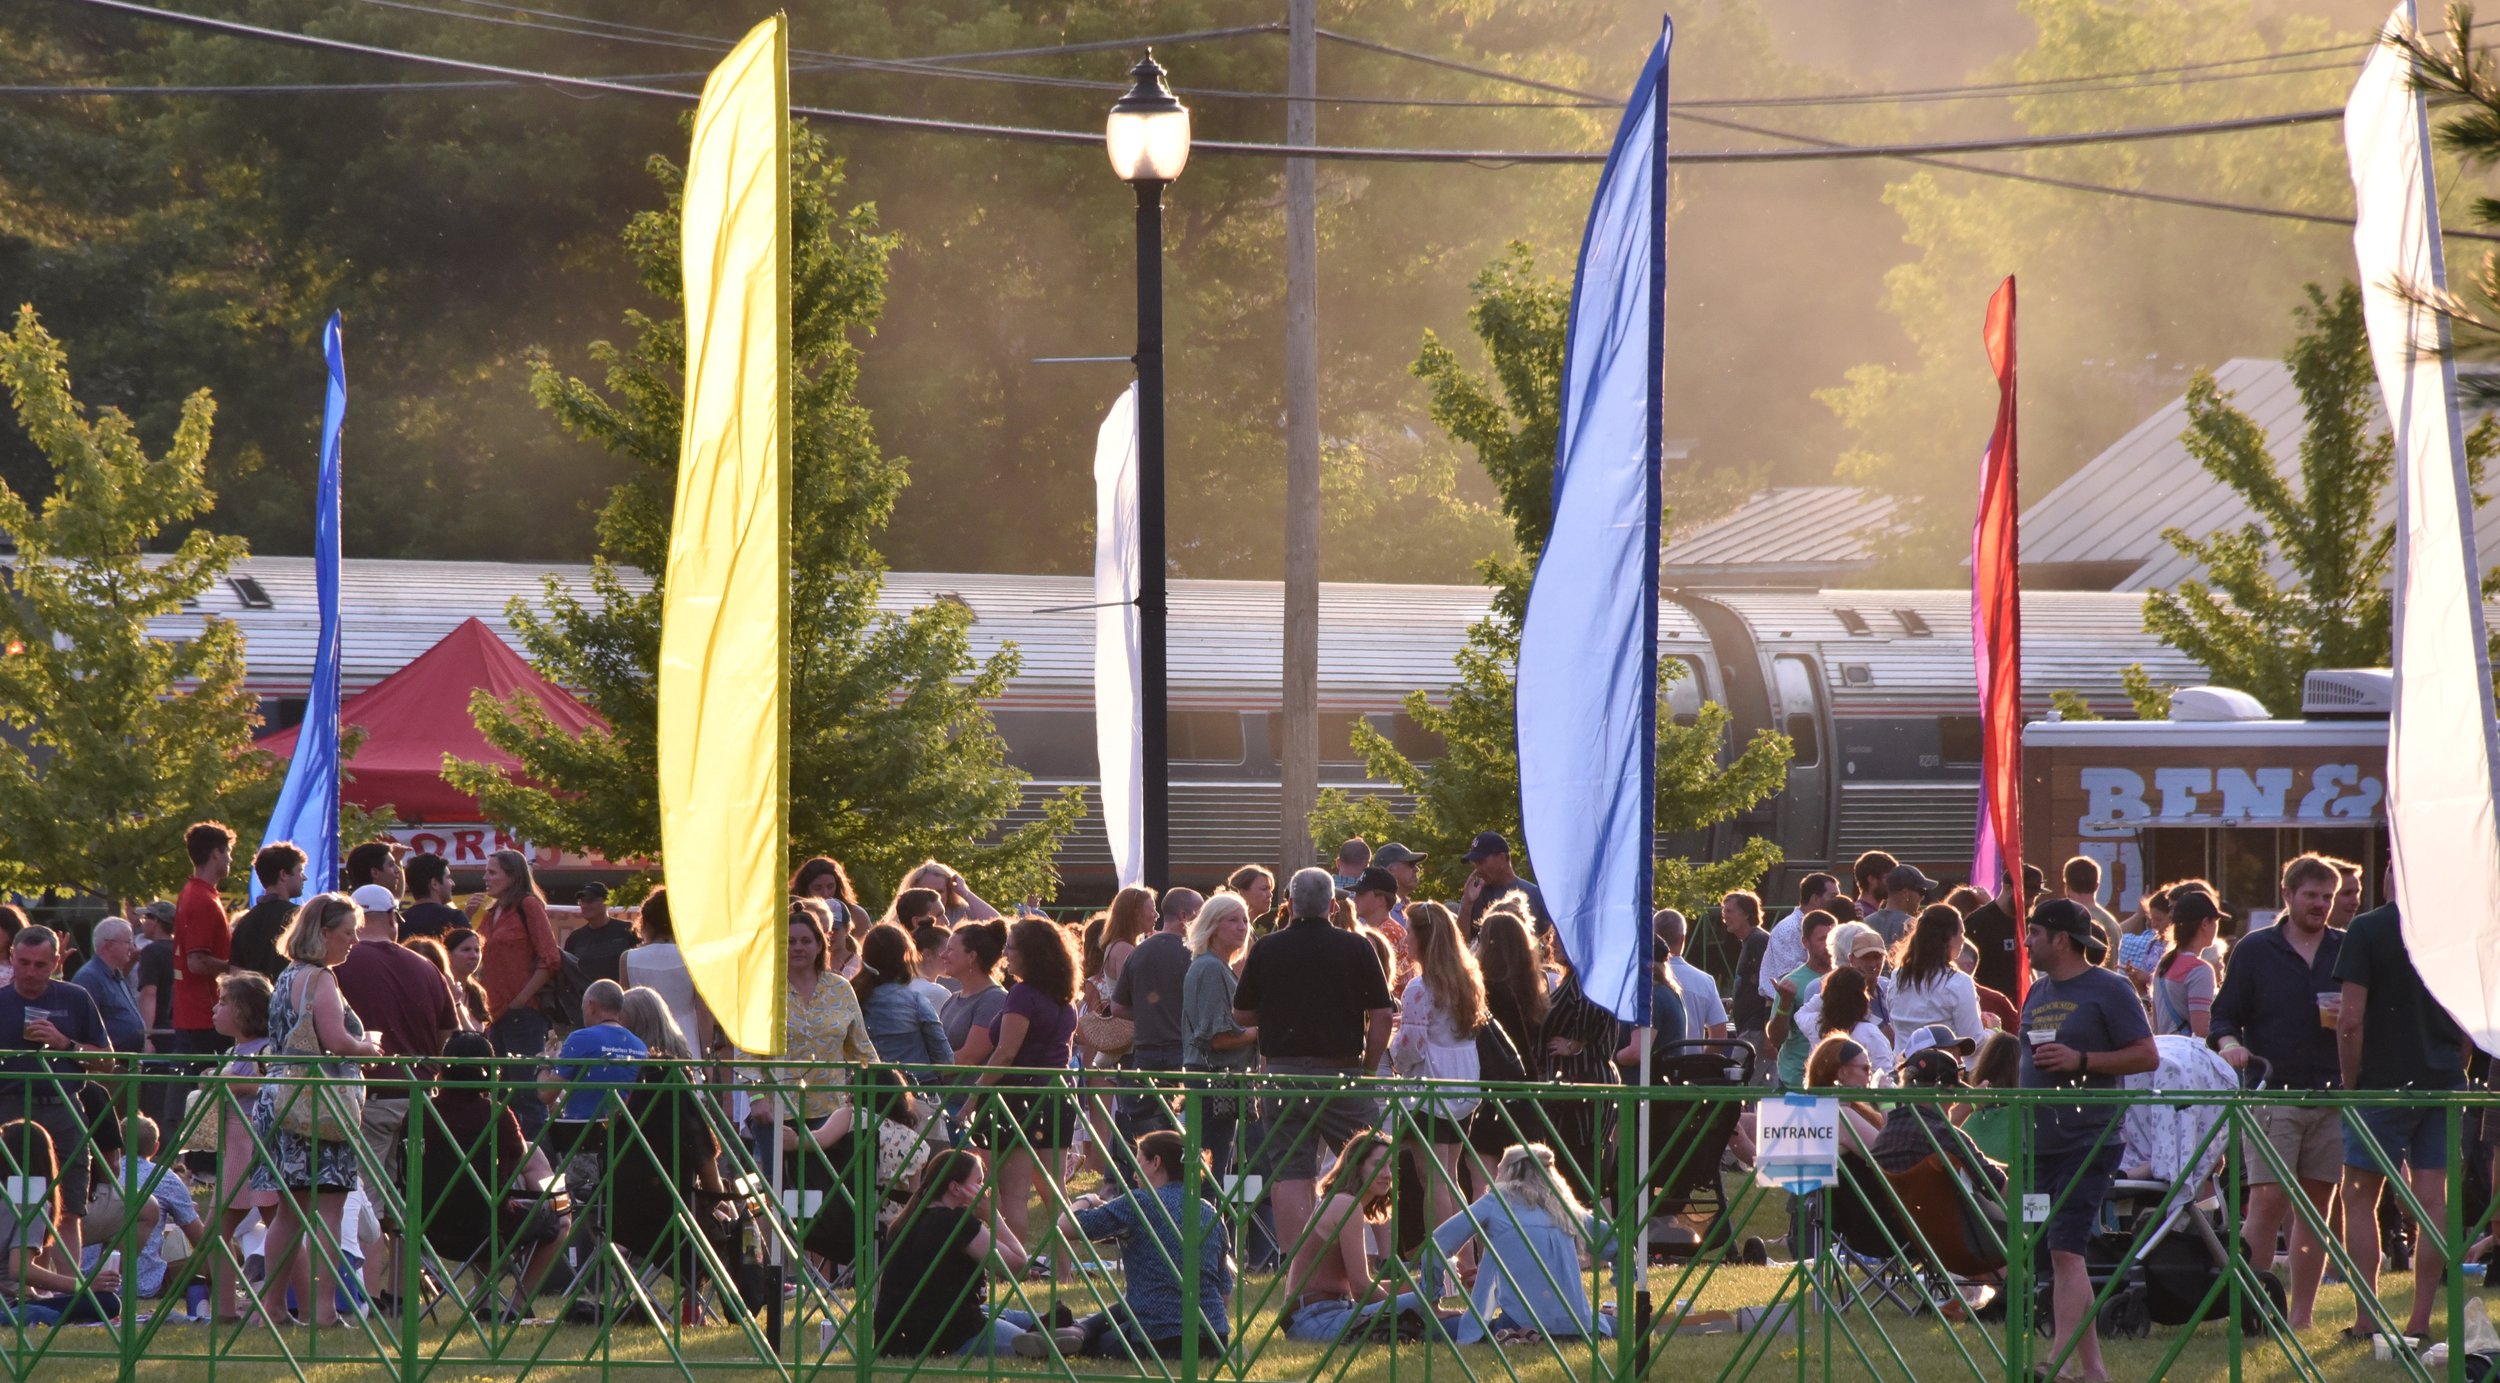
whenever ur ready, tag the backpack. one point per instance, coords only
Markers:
(560, 998)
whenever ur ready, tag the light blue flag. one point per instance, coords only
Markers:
(1588, 653)
(308, 806)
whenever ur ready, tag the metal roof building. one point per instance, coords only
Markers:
(2102, 528)
(1796, 535)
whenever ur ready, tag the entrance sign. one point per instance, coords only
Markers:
(1797, 1143)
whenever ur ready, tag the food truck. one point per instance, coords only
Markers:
(2221, 791)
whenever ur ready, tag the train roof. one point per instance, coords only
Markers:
(1377, 642)
(2078, 641)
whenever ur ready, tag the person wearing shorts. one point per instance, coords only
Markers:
(2275, 1004)
(2082, 1028)
(2391, 1035)
(1321, 1005)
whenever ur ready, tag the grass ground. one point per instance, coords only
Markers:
(1847, 1346)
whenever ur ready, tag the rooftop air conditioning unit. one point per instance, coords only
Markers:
(2354, 692)
(2215, 703)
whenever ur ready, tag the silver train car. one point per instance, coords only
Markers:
(1874, 687)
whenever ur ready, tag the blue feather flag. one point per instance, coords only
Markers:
(1588, 652)
(308, 806)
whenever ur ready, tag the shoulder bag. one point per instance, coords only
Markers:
(325, 1113)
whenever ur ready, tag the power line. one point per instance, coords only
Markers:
(1245, 148)
(940, 65)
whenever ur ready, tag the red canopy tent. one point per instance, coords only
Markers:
(415, 716)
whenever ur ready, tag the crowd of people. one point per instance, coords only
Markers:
(979, 1064)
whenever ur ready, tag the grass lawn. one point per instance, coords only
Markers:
(1905, 1347)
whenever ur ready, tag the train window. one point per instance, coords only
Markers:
(1852, 621)
(1418, 744)
(1793, 677)
(1684, 696)
(1957, 738)
(1913, 624)
(1856, 675)
(1206, 737)
(1048, 744)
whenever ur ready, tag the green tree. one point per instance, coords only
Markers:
(1510, 421)
(118, 741)
(892, 757)
(2304, 583)
(2104, 339)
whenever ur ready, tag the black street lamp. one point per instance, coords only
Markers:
(1148, 140)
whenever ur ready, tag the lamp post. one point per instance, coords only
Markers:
(1147, 137)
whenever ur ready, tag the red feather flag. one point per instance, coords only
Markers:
(1996, 617)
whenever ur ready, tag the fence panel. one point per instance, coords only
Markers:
(786, 1221)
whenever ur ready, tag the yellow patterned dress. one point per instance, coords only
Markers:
(828, 1030)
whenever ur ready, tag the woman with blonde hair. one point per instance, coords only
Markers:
(309, 1175)
(949, 884)
(645, 1013)
(1534, 1233)
(1438, 1016)
(1210, 1038)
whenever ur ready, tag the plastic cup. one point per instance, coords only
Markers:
(34, 1016)
(2330, 1007)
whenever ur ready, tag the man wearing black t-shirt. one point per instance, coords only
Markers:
(429, 885)
(1748, 1013)
(2390, 1034)
(601, 942)
(1992, 932)
(1321, 1006)
(280, 869)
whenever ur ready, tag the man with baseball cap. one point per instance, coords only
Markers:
(1401, 864)
(404, 1001)
(1905, 892)
(2082, 1028)
(1375, 897)
(1493, 877)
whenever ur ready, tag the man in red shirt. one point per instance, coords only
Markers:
(201, 939)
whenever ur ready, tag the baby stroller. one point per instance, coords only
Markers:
(2167, 1255)
(1686, 1171)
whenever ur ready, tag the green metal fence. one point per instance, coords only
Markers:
(700, 1228)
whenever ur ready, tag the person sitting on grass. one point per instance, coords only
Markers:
(933, 1286)
(33, 1289)
(1146, 1222)
(1332, 1284)
(1534, 1233)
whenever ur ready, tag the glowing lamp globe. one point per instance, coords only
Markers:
(1147, 135)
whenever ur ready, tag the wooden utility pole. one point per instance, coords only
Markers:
(1299, 732)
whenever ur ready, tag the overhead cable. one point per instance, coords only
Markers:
(1255, 149)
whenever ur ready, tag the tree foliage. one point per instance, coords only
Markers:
(2305, 582)
(116, 742)
(892, 757)
(1510, 418)
(2105, 334)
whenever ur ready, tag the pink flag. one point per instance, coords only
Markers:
(1996, 628)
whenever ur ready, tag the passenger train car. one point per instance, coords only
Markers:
(1874, 687)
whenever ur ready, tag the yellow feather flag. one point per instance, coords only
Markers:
(724, 736)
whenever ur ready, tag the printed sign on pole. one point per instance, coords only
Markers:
(1797, 1143)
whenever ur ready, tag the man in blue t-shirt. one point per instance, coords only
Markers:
(2082, 1028)
(596, 1059)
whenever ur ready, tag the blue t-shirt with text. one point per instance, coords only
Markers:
(594, 1062)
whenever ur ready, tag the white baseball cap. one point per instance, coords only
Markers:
(375, 898)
